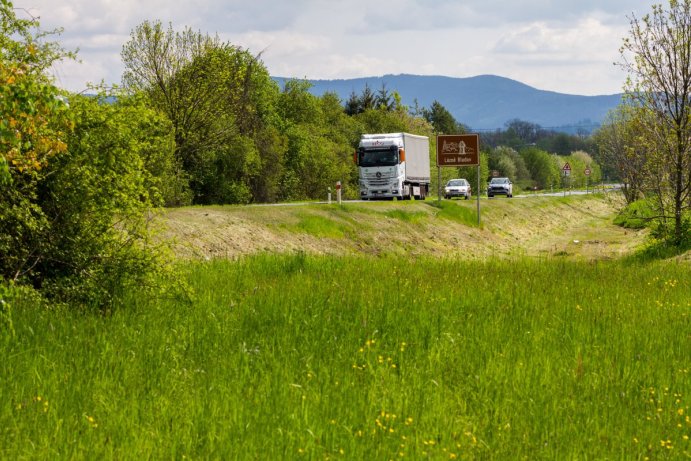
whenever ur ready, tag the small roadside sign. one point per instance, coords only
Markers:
(587, 171)
(566, 169)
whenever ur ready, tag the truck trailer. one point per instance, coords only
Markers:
(393, 165)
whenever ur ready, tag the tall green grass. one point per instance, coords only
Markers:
(300, 357)
(462, 213)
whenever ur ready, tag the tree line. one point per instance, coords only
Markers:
(239, 138)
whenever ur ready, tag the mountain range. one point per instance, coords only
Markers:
(483, 102)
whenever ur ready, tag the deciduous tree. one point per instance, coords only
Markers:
(657, 56)
(219, 99)
(75, 189)
(542, 169)
(34, 124)
(621, 147)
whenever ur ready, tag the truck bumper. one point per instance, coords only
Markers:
(373, 195)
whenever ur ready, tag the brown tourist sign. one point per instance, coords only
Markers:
(458, 149)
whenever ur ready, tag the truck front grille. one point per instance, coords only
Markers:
(381, 181)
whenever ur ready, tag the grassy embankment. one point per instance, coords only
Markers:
(573, 226)
(354, 357)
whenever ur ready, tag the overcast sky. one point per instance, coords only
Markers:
(568, 46)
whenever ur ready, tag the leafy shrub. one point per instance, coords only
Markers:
(664, 231)
(77, 228)
(635, 215)
(77, 180)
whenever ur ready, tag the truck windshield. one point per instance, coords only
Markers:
(378, 157)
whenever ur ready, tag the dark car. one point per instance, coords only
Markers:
(500, 186)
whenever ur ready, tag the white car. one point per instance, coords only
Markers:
(457, 188)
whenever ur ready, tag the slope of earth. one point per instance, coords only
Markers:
(578, 227)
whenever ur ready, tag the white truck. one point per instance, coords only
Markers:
(393, 165)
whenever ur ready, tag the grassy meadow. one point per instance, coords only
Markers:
(313, 357)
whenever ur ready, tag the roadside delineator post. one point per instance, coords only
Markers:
(338, 192)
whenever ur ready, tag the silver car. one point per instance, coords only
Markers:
(457, 188)
(500, 186)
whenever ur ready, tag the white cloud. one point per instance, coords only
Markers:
(587, 37)
(566, 46)
(282, 44)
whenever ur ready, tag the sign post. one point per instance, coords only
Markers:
(587, 177)
(567, 172)
(459, 150)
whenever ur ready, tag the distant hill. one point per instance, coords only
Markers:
(485, 102)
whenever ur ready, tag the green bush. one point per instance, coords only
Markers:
(664, 231)
(635, 215)
(642, 214)
(78, 177)
(77, 229)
